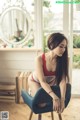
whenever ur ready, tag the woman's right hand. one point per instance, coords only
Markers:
(56, 104)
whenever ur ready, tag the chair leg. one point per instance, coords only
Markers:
(30, 115)
(52, 116)
(39, 116)
(60, 117)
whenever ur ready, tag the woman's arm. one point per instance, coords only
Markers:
(45, 85)
(63, 92)
(63, 88)
(41, 78)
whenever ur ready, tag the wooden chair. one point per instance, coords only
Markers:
(42, 97)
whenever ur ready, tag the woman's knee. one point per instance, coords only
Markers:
(33, 86)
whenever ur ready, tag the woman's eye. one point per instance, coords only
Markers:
(62, 47)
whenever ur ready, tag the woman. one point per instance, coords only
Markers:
(52, 69)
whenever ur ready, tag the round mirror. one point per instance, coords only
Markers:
(15, 25)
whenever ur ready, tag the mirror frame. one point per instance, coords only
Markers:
(24, 11)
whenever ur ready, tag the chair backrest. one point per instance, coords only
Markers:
(42, 97)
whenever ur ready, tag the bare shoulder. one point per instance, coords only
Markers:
(39, 59)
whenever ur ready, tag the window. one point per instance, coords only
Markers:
(52, 18)
(76, 50)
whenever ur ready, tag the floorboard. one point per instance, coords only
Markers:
(22, 111)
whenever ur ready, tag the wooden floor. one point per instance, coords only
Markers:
(21, 111)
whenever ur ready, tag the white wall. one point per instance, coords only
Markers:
(12, 61)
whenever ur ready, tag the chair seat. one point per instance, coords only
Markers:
(42, 97)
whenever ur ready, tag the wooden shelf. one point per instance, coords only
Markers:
(7, 92)
(7, 87)
(20, 49)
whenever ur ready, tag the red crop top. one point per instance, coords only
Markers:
(46, 72)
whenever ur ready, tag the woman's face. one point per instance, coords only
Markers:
(60, 49)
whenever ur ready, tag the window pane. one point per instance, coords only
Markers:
(76, 17)
(76, 50)
(52, 19)
(52, 15)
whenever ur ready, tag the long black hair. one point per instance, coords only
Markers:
(62, 62)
